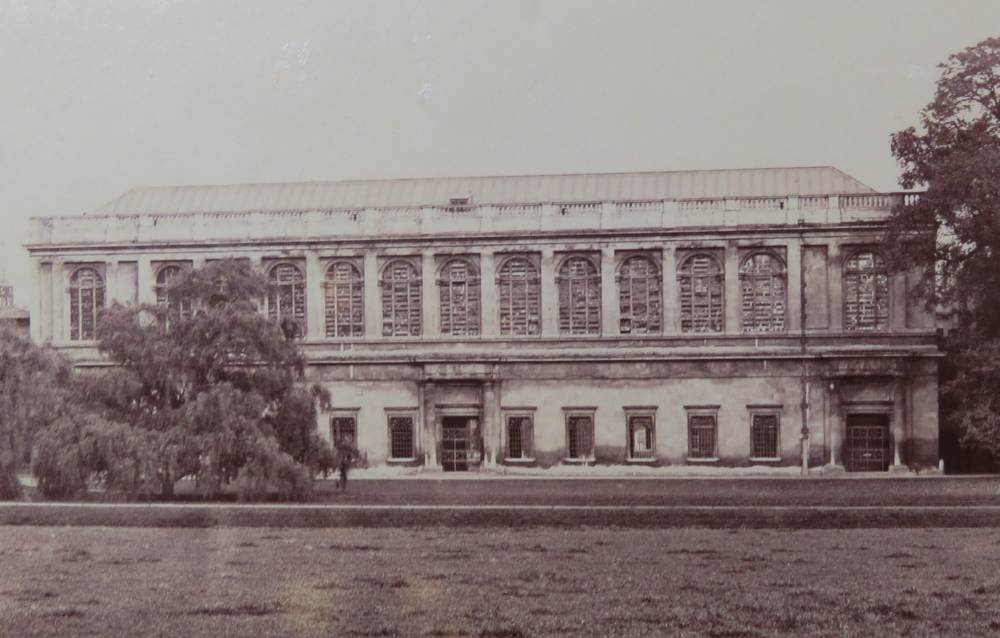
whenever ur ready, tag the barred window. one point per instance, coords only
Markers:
(520, 297)
(762, 282)
(86, 299)
(866, 292)
(344, 426)
(701, 289)
(164, 278)
(401, 437)
(579, 297)
(580, 437)
(639, 290)
(764, 436)
(400, 299)
(520, 437)
(459, 297)
(640, 437)
(345, 297)
(286, 297)
(701, 436)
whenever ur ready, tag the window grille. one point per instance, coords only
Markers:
(286, 296)
(639, 293)
(401, 437)
(459, 296)
(400, 300)
(701, 436)
(519, 437)
(86, 299)
(866, 292)
(520, 298)
(640, 437)
(580, 435)
(762, 282)
(164, 278)
(701, 289)
(764, 436)
(345, 296)
(342, 427)
(579, 297)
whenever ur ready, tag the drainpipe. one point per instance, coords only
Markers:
(803, 383)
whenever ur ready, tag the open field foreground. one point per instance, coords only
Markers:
(439, 581)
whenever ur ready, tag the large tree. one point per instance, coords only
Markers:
(202, 386)
(953, 231)
(34, 382)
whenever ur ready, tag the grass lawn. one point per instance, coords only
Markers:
(448, 581)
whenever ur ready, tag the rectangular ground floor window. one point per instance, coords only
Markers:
(579, 434)
(764, 436)
(702, 433)
(344, 427)
(520, 437)
(402, 437)
(641, 431)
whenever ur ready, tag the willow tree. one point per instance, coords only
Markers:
(204, 386)
(953, 231)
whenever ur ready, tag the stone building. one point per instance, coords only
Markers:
(704, 317)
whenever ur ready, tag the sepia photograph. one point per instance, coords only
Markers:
(499, 318)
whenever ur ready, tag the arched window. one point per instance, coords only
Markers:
(639, 292)
(579, 297)
(400, 299)
(701, 288)
(459, 295)
(164, 277)
(762, 285)
(286, 297)
(520, 297)
(86, 298)
(345, 297)
(866, 292)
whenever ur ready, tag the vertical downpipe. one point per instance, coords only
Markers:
(803, 383)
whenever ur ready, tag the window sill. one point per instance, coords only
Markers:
(702, 459)
(641, 461)
(580, 461)
(520, 460)
(765, 459)
(401, 461)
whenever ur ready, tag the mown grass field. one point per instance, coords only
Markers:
(458, 581)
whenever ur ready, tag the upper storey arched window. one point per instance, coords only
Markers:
(639, 295)
(345, 295)
(763, 291)
(458, 287)
(286, 297)
(86, 299)
(579, 297)
(164, 278)
(520, 297)
(701, 291)
(866, 292)
(400, 299)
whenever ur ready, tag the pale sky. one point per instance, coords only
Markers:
(104, 95)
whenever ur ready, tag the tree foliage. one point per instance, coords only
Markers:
(203, 386)
(955, 155)
(33, 383)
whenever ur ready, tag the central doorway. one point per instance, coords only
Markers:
(869, 444)
(457, 446)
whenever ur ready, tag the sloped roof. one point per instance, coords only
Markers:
(514, 189)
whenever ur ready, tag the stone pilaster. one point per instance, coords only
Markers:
(550, 294)
(315, 298)
(609, 293)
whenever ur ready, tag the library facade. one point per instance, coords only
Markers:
(733, 318)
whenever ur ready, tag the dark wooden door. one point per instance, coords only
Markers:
(455, 444)
(869, 445)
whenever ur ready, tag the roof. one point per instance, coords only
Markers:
(513, 189)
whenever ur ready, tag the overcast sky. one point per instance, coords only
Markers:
(101, 96)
